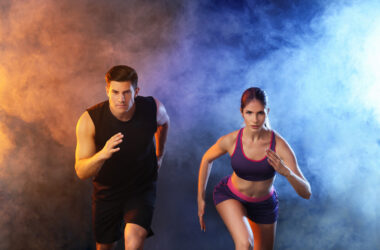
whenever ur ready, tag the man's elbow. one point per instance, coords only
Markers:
(79, 173)
(163, 128)
(166, 124)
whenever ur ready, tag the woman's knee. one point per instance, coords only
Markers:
(243, 243)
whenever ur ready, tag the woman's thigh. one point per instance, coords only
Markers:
(242, 229)
(233, 214)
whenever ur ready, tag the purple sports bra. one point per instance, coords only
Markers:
(248, 169)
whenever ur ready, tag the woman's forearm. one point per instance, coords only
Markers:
(301, 186)
(204, 173)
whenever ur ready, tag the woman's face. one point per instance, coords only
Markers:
(254, 114)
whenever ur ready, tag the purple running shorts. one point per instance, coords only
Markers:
(262, 210)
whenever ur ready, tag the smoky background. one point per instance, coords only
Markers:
(317, 61)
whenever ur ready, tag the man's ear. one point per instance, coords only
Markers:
(137, 91)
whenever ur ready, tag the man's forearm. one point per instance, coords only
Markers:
(161, 135)
(86, 168)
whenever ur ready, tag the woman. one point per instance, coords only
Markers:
(246, 200)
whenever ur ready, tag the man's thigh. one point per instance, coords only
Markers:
(107, 221)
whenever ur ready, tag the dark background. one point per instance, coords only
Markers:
(317, 60)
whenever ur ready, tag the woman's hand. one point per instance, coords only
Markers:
(201, 212)
(276, 162)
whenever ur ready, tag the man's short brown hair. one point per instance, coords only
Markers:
(122, 73)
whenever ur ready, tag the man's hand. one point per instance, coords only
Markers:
(110, 147)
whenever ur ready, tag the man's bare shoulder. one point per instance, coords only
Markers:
(85, 124)
(162, 115)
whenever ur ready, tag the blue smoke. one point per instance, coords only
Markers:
(319, 66)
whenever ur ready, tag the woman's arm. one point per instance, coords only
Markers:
(218, 149)
(285, 163)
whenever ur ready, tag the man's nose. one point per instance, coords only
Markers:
(121, 98)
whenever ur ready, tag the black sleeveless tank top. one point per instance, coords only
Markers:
(134, 166)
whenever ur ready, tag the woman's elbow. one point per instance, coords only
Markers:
(307, 196)
(206, 161)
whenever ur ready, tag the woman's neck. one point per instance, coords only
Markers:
(254, 135)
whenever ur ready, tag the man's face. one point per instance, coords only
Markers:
(121, 96)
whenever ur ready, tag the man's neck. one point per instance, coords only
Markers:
(124, 116)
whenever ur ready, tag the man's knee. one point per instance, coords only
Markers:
(134, 237)
(133, 244)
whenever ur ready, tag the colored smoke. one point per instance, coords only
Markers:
(316, 60)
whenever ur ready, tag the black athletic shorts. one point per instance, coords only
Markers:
(109, 217)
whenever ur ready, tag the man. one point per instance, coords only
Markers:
(115, 146)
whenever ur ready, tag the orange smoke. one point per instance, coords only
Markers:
(6, 144)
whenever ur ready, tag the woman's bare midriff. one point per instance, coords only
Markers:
(254, 189)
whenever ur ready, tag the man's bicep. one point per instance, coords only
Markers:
(85, 131)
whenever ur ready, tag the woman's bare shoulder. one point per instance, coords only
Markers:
(281, 143)
(228, 140)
